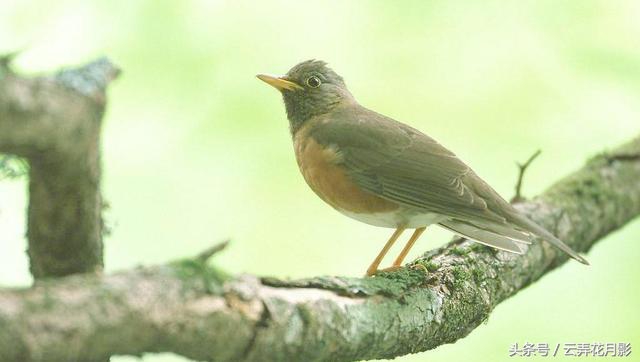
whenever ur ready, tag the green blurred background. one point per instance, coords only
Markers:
(197, 150)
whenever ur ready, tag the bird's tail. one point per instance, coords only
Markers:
(490, 238)
(509, 238)
(541, 232)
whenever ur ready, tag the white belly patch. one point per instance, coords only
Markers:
(393, 219)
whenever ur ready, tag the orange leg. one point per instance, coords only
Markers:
(374, 266)
(405, 251)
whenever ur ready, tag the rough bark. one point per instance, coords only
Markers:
(54, 123)
(197, 311)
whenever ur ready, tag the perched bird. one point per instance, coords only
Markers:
(385, 173)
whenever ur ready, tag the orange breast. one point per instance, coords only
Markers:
(328, 180)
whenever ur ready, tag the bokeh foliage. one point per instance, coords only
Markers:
(12, 167)
(197, 150)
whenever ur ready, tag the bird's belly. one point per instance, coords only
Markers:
(393, 219)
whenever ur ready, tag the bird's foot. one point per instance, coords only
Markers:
(389, 269)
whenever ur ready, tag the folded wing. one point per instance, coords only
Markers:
(399, 163)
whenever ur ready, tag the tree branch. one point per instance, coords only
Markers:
(54, 123)
(195, 310)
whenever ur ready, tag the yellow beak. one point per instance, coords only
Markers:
(279, 83)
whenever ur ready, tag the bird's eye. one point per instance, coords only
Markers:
(313, 81)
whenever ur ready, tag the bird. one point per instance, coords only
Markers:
(385, 173)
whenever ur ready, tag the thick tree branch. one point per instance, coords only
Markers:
(194, 310)
(54, 122)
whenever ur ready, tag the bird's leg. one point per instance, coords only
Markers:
(403, 254)
(376, 262)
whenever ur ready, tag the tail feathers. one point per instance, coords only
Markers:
(483, 236)
(546, 235)
(508, 231)
(509, 238)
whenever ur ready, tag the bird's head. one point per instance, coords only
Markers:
(309, 89)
